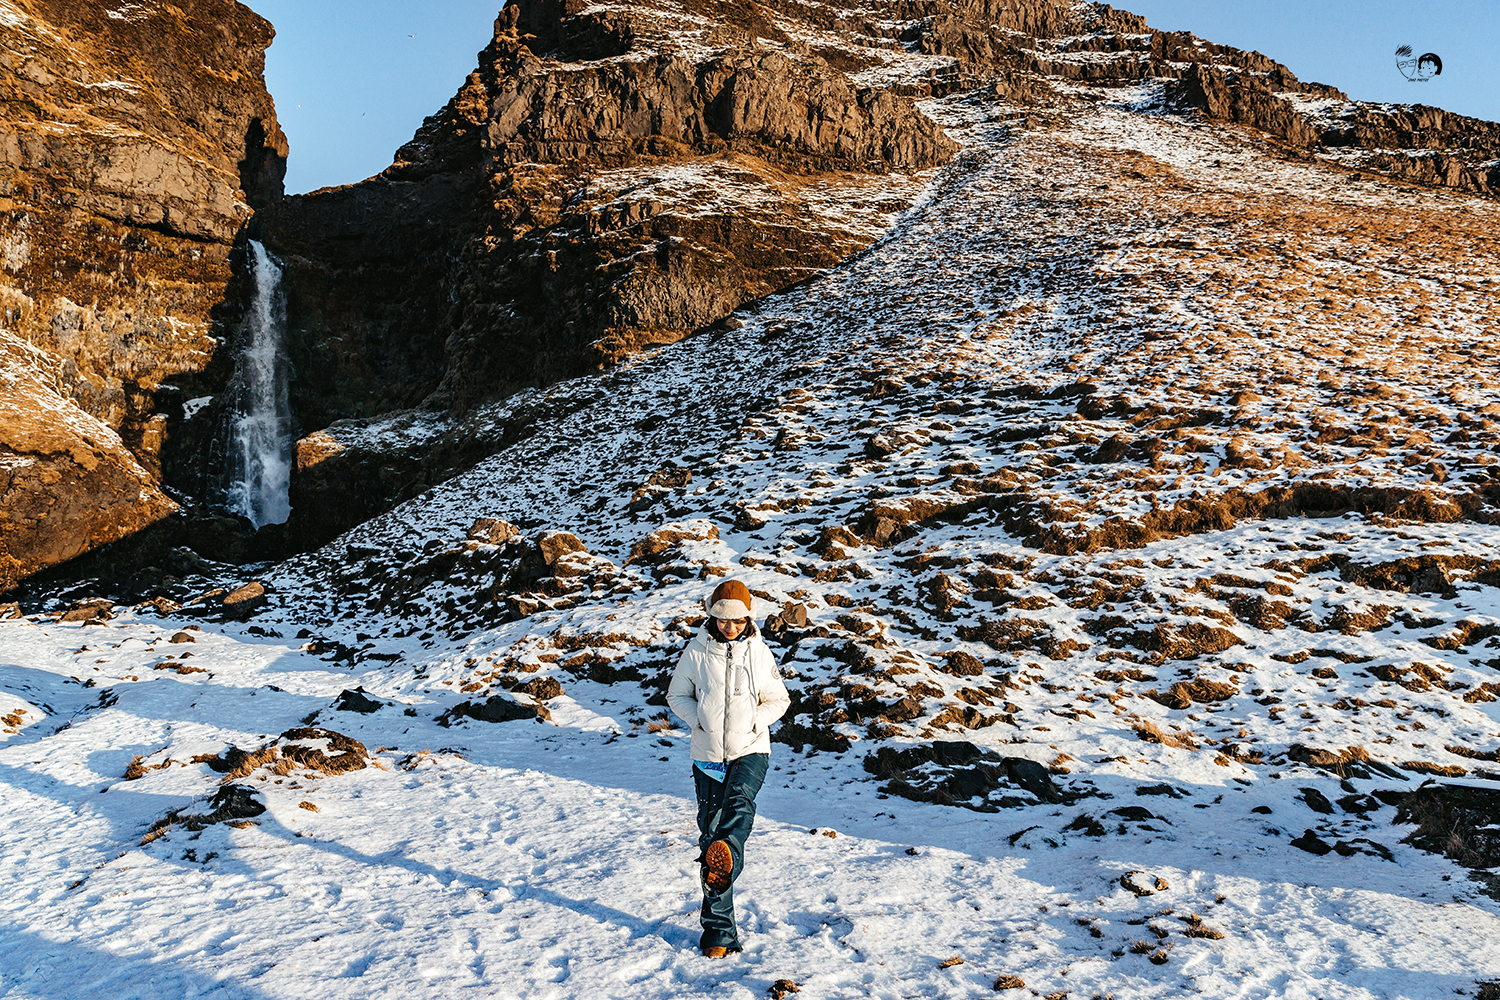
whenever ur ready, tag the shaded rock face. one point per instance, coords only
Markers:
(135, 143)
(613, 177)
(598, 186)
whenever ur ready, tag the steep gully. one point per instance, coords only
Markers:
(608, 179)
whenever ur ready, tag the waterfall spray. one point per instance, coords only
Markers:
(260, 430)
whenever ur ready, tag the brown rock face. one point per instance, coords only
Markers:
(134, 145)
(67, 482)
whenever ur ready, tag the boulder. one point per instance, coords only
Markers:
(659, 544)
(248, 592)
(357, 701)
(492, 531)
(496, 708)
(955, 772)
(552, 546)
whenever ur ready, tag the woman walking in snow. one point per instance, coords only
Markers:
(727, 689)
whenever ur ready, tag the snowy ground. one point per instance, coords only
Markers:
(955, 443)
(539, 861)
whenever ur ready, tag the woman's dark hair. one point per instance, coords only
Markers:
(713, 630)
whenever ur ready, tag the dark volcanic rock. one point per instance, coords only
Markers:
(1459, 821)
(1317, 801)
(495, 708)
(960, 773)
(1312, 843)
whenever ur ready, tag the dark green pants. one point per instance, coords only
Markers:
(726, 811)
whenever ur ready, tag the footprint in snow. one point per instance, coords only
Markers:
(389, 921)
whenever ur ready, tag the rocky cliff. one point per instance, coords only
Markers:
(136, 141)
(604, 182)
(613, 177)
(610, 178)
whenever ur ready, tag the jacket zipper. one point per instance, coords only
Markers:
(728, 693)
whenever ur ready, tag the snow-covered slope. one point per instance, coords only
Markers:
(1151, 464)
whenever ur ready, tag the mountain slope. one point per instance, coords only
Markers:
(1125, 513)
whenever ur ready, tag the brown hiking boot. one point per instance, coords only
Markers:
(715, 951)
(718, 866)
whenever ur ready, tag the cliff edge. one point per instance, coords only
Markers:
(136, 140)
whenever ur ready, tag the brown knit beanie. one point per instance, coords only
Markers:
(730, 599)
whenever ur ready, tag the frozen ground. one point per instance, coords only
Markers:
(532, 860)
(1040, 425)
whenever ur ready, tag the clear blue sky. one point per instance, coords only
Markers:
(353, 80)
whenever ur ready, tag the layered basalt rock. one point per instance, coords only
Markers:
(136, 140)
(601, 184)
(1097, 45)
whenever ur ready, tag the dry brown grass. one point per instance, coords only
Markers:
(1196, 928)
(1150, 732)
(1201, 690)
(1427, 767)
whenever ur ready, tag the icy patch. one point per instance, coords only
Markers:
(192, 407)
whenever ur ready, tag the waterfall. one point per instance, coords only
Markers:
(259, 453)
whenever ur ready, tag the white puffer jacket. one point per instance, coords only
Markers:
(729, 693)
